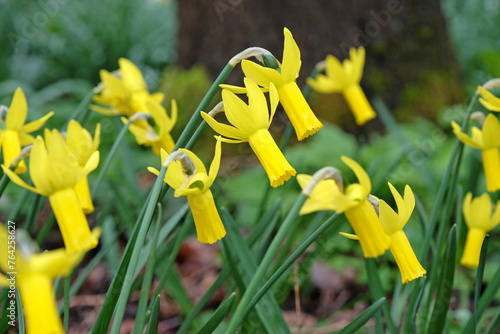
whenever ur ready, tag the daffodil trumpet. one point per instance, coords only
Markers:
(15, 133)
(34, 273)
(345, 78)
(250, 124)
(296, 107)
(393, 224)
(82, 145)
(353, 201)
(480, 217)
(55, 171)
(188, 176)
(487, 140)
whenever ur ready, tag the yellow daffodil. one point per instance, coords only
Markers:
(480, 219)
(82, 145)
(393, 224)
(251, 123)
(125, 91)
(327, 195)
(146, 135)
(193, 182)
(344, 78)
(32, 274)
(487, 140)
(296, 107)
(488, 100)
(14, 134)
(55, 172)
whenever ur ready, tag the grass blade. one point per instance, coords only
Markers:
(153, 318)
(360, 320)
(219, 315)
(445, 285)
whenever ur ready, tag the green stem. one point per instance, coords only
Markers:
(146, 220)
(301, 249)
(67, 284)
(265, 264)
(148, 276)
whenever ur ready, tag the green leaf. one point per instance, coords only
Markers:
(445, 285)
(153, 318)
(219, 315)
(360, 320)
(20, 315)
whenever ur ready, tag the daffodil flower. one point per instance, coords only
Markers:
(393, 224)
(480, 219)
(189, 178)
(32, 274)
(125, 91)
(55, 172)
(344, 78)
(487, 140)
(250, 124)
(15, 133)
(82, 145)
(352, 201)
(146, 135)
(488, 100)
(300, 114)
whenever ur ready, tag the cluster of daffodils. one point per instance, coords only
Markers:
(478, 212)
(376, 225)
(58, 167)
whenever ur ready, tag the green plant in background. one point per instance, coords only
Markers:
(255, 270)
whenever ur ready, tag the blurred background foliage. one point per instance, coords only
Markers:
(54, 50)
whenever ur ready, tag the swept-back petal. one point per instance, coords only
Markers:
(238, 113)
(274, 98)
(291, 58)
(363, 178)
(491, 132)
(40, 168)
(214, 166)
(64, 163)
(132, 76)
(17, 180)
(91, 164)
(390, 221)
(464, 138)
(263, 76)
(234, 89)
(224, 129)
(35, 125)
(18, 110)
(324, 84)
(358, 61)
(55, 262)
(335, 71)
(466, 208)
(489, 101)
(257, 104)
(495, 218)
(481, 207)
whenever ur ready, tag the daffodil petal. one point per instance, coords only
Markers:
(35, 125)
(489, 101)
(234, 89)
(274, 98)
(291, 58)
(91, 164)
(132, 76)
(18, 110)
(491, 132)
(17, 180)
(363, 178)
(464, 138)
(223, 129)
(263, 76)
(214, 166)
(257, 103)
(388, 218)
(200, 167)
(238, 113)
(349, 235)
